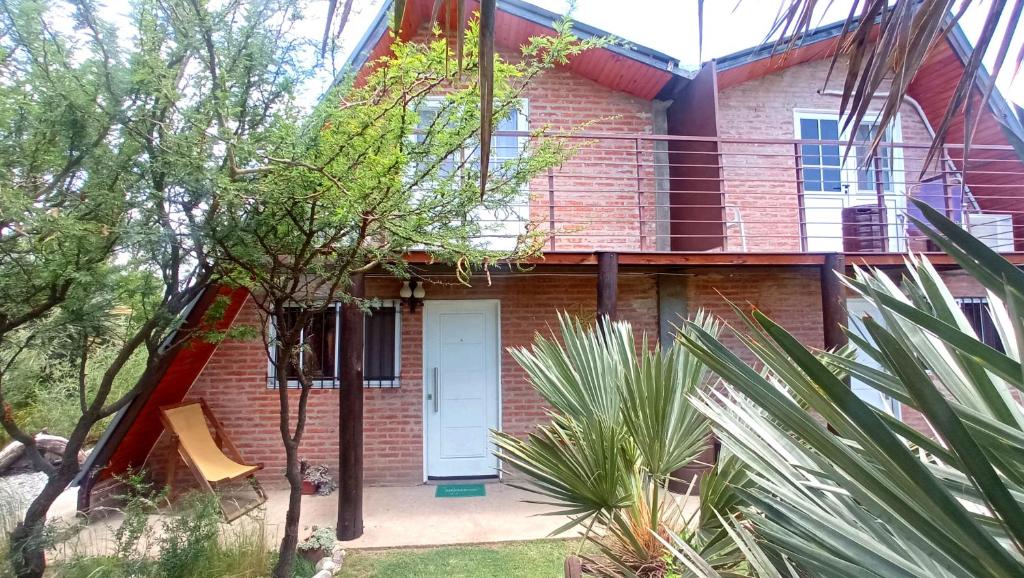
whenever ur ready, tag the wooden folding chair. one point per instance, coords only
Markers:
(189, 424)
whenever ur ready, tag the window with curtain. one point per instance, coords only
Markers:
(320, 354)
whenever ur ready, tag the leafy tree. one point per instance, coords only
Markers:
(114, 144)
(380, 168)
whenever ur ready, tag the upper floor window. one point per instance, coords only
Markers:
(874, 171)
(504, 147)
(319, 354)
(822, 163)
(500, 226)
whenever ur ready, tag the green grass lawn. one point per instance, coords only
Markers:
(535, 559)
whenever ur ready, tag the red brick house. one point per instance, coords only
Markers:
(693, 186)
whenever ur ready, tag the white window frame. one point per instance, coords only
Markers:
(335, 383)
(522, 211)
(895, 199)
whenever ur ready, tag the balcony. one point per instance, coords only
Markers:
(670, 194)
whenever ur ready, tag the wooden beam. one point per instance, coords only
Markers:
(713, 259)
(833, 301)
(607, 285)
(350, 426)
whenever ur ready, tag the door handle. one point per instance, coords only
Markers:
(436, 385)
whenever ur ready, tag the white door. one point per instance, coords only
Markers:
(832, 183)
(856, 309)
(460, 367)
(880, 175)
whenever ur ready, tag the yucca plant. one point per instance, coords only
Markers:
(847, 489)
(621, 424)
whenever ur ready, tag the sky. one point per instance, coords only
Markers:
(670, 26)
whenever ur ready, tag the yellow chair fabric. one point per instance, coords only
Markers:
(189, 424)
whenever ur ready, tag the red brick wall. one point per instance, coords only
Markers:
(789, 296)
(760, 179)
(235, 384)
(235, 381)
(601, 200)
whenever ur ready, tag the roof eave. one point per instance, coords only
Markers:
(535, 14)
(997, 103)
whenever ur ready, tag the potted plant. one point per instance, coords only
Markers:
(316, 479)
(308, 486)
(318, 545)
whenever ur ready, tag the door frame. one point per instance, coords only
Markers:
(898, 168)
(424, 372)
(894, 405)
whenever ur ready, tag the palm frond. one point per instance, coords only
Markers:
(867, 495)
(888, 41)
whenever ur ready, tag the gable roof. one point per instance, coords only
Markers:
(992, 183)
(133, 432)
(822, 42)
(623, 66)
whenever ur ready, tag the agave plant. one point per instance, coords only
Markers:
(621, 424)
(847, 489)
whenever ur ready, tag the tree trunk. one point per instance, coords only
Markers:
(290, 541)
(27, 548)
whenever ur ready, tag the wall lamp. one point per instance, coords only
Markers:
(412, 293)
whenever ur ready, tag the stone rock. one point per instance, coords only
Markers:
(338, 555)
(326, 563)
(323, 574)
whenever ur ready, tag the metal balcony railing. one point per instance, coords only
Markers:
(644, 193)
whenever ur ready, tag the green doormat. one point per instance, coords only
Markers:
(460, 491)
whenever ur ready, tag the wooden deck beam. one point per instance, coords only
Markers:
(884, 260)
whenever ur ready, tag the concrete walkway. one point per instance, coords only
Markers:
(393, 517)
(412, 516)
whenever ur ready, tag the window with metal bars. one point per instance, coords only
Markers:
(320, 357)
(979, 315)
(382, 352)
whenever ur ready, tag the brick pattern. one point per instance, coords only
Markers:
(235, 383)
(760, 179)
(602, 198)
(604, 193)
(789, 296)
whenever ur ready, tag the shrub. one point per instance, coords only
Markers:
(321, 539)
(192, 543)
(189, 539)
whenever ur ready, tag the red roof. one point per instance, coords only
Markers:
(633, 69)
(130, 438)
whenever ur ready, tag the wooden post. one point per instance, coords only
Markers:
(833, 301)
(350, 426)
(607, 285)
